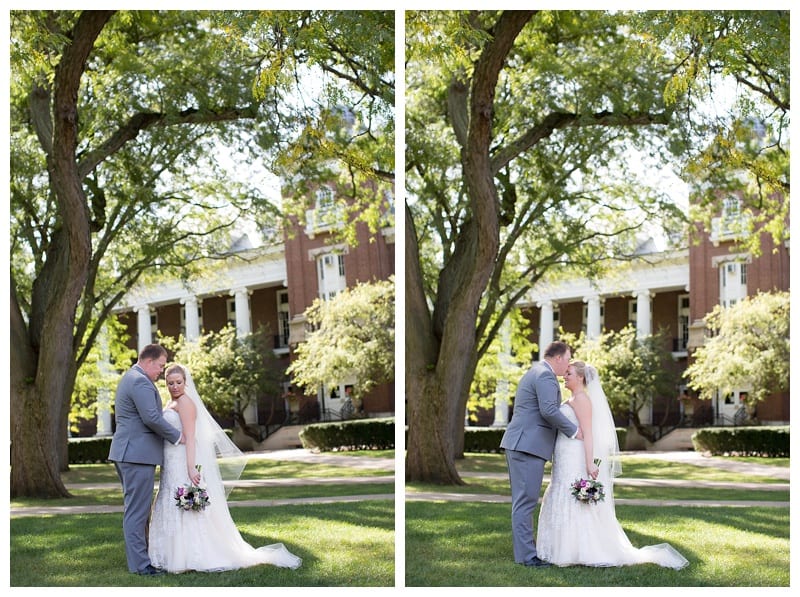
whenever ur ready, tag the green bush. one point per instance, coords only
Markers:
(91, 450)
(483, 439)
(88, 450)
(356, 434)
(768, 441)
(487, 439)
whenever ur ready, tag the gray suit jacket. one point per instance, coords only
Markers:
(536, 418)
(141, 427)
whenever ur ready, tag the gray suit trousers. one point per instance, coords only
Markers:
(525, 472)
(137, 488)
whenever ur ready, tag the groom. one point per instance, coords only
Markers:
(137, 447)
(529, 442)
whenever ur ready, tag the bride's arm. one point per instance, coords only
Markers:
(583, 410)
(188, 414)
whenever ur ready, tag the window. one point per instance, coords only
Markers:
(230, 305)
(732, 282)
(731, 223)
(324, 200)
(283, 319)
(683, 322)
(556, 321)
(331, 275)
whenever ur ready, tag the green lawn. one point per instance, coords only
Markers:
(469, 544)
(342, 544)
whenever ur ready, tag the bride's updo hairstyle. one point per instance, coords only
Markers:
(580, 370)
(175, 369)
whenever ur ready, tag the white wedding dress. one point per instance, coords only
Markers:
(574, 533)
(205, 540)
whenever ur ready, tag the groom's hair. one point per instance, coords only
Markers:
(556, 348)
(152, 352)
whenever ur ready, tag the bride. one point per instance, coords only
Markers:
(203, 540)
(602, 541)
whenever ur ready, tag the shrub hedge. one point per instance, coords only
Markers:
(769, 441)
(88, 450)
(487, 439)
(355, 434)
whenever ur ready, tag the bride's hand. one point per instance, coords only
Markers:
(194, 476)
(593, 470)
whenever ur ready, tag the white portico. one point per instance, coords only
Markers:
(638, 283)
(236, 279)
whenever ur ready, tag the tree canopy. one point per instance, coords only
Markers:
(352, 337)
(735, 79)
(747, 349)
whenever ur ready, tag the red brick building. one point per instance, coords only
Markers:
(270, 286)
(672, 291)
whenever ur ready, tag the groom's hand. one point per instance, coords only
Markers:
(182, 440)
(579, 434)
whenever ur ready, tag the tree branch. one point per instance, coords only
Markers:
(562, 120)
(145, 120)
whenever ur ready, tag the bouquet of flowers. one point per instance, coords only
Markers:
(588, 491)
(191, 497)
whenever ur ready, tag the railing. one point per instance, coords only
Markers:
(346, 412)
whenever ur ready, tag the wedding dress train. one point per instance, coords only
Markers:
(205, 540)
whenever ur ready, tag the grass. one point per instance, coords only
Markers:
(446, 543)
(639, 467)
(726, 547)
(96, 474)
(469, 544)
(342, 544)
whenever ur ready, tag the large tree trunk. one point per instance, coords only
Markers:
(42, 385)
(440, 349)
(429, 453)
(460, 414)
(34, 458)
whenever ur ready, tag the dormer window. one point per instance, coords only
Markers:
(731, 224)
(324, 200)
(325, 214)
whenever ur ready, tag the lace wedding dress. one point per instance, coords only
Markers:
(205, 540)
(571, 532)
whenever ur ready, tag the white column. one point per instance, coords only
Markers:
(592, 316)
(192, 320)
(143, 324)
(545, 325)
(643, 317)
(242, 299)
(501, 395)
(104, 394)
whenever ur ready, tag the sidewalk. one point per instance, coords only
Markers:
(295, 455)
(688, 457)
(389, 465)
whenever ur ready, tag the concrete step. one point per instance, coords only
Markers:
(675, 440)
(283, 439)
